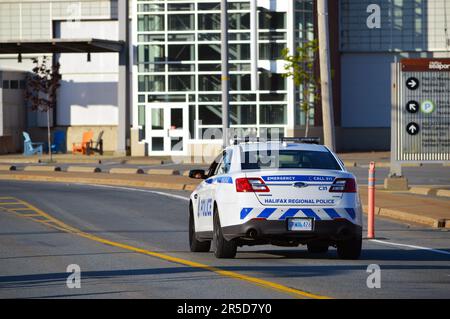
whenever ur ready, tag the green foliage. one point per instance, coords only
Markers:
(300, 67)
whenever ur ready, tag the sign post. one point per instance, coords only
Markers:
(420, 130)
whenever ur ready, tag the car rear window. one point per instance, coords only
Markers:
(288, 159)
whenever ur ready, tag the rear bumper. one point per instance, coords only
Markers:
(277, 230)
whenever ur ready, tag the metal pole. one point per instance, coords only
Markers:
(371, 202)
(325, 75)
(225, 74)
(254, 43)
(123, 91)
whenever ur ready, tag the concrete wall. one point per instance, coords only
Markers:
(88, 92)
(12, 112)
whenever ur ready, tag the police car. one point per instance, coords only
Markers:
(284, 193)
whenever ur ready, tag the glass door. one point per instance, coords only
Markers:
(167, 129)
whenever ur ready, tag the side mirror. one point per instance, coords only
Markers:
(197, 174)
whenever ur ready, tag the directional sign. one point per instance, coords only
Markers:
(412, 107)
(421, 117)
(412, 128)
(412, 83)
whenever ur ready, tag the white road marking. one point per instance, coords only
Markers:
(410, 246)
(140, 190)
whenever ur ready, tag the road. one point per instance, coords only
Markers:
(132, 243)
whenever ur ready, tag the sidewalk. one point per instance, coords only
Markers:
(410, 208)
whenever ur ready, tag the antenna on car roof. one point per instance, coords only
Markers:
(302, 140)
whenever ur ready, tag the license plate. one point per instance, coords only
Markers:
(300, 224)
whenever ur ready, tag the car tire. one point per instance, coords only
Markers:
(195, 245)
(349, 249)
(317, 248)
(222, 247)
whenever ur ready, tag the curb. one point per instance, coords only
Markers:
(163, 172)
(42, 169)
(83, 169)
(120, 170)
(97, 181)
(7, 168)
(408, 217)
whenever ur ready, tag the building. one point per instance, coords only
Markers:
(175, 100)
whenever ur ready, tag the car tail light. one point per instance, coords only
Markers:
(343, 185)
(251, 185)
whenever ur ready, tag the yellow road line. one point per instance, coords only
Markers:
(57, 224)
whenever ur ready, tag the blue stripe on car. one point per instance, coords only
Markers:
(267, 212)
(245, 212)
(289, 213)
(351, 212)
(310, 213)
(331, 212)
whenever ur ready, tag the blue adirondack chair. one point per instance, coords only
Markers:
(30, 148)
(59, 142)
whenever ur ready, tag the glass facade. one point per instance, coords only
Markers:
(178, 54)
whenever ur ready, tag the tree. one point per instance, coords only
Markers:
(41, 87)
(300, 67)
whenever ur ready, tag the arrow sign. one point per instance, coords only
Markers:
(412, 128)
(412, 107)
(412, 84)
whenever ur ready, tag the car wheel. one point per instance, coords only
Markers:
(349, 249)
(196, 245)
(222, 247)
(317, 248)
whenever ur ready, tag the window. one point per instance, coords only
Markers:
(180, 7)
(209, 82)
(272, 114)
(272, 20)
(271, 82)
(14, 84)
(239, 21)
(296, 159)
(210, 114)
(181, 83)
(243, 114)
(5, 84)
(210, 21)
(181, 22)
(209, 52)
(239, 51)
(240, 82)
(148, 53)
(271, 51)
(151, 83)
(181, 52)
(150, 22)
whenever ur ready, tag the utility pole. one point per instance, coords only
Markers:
(123, 92)
(325, 75)
(225, 74)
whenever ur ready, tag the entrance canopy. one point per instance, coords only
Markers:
(90, 45)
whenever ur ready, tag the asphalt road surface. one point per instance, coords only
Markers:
(132, 243)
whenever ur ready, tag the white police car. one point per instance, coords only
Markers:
(283, 193)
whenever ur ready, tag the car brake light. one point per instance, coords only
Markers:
(251, 185)
(343, 185)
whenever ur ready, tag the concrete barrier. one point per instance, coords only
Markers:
(421, 190)
(155, 171)
(120, 170)
(7, 168)
(83, 169)
(42, 169)
(444, 193)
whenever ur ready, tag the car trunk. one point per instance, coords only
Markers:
(297, 188)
